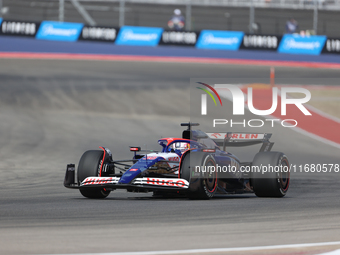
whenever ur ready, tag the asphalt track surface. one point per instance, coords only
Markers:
(54, 110)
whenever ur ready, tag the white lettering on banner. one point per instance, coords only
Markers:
(99, 33)
(179, 37)
(333, 45)
(18, 28)
(260, 41)
(50, 30)
(211, 39)
(130, 35)
(292, 44)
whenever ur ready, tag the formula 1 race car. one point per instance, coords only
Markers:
(196, 165)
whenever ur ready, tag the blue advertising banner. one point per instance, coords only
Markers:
(59, 31)
(142, 36)
(296, 44)
(0, 20)
(220, 40)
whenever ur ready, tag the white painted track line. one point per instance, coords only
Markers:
(209, 251)
(336, 252)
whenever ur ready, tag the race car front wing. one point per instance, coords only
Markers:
(113, 182)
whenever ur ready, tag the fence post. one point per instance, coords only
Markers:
(315, 17)
(251, 17)
(61, 10)
(121, 13)
(188, 16)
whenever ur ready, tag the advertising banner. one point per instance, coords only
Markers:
(104, 34)
(59, 31)
(332, 46)
(296, 44)
(219, 40)
(0, 20)
(139, 36)
(21, 28)
(261, 42)
(182, 38)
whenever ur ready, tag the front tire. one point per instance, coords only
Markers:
(271, 183)
(202, 185)
(89, 165)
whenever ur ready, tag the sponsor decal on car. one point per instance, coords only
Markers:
(175, 183)
(217, 135)
(149, 157)
(173, 158)
(99, 180)
(245, 136)
(238, 136)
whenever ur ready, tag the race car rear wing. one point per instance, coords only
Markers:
(231, 139)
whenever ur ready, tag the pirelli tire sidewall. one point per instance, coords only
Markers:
(89, 165)
(202, 185)
(209, 179)
(271, 184)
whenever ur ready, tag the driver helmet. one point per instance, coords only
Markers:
(181, 146)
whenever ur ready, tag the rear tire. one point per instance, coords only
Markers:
(271, 184)
(89, 165)
(201, 185)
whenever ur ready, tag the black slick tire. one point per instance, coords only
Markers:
(89, 165)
